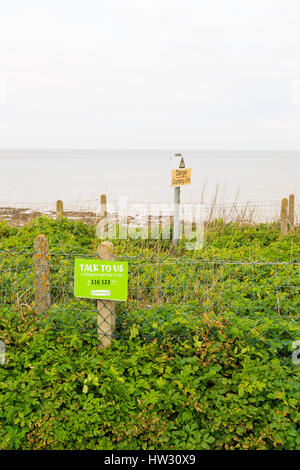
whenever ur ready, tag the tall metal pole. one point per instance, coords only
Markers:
(176, 215)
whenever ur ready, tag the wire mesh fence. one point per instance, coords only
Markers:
(88, 211)
(168, 297)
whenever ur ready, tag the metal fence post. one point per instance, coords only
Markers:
(106, 319)
(42, 299)
(176, 215)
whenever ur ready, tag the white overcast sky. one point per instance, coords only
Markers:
(160, 74)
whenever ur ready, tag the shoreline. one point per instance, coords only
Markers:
(246, 214)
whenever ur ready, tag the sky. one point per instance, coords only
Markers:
(150, 74)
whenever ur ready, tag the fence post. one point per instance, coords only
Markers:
(284, 216)
(103, 210)
(160, 226)
(42, 299)
(117, 225)
(291, 215)
(149, 226)
(59, 210)
(103, 206)
(106, 319)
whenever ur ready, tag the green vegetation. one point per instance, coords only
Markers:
(201, 358)
(223, 241)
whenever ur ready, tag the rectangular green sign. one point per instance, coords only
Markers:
(99, 279)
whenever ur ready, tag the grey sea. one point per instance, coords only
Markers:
(43, 176)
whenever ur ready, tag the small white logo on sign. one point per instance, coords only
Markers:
(101, 292)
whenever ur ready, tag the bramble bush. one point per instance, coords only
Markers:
(60, 392)
(182, 374)
(222, 241)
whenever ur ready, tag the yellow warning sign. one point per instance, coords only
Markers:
(182, 164)
(181, 177)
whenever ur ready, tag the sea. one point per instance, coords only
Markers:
(33, 177)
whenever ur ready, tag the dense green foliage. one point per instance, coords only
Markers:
(223, 241)
(201, 359)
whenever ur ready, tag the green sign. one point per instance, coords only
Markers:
(99, 279)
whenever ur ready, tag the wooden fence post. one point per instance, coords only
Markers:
(59, 210)
(149, 223)
(284, 216)
(103, 210)
(291, 215)
(117, 225)
(42, 299)
(103, 206)
(106, 318)
(160, 226)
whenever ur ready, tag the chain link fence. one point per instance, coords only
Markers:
(169, 297)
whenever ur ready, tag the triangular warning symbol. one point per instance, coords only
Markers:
(182, 164)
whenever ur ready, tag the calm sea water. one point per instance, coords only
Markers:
(43, 176)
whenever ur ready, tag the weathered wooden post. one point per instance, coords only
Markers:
(149, 223)
(160, 226)
(103, 211)
(117, 225)
(103, 206)
(284, 216)
(106, 319)
(291, 215)
(59, 210)
(42, 299)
